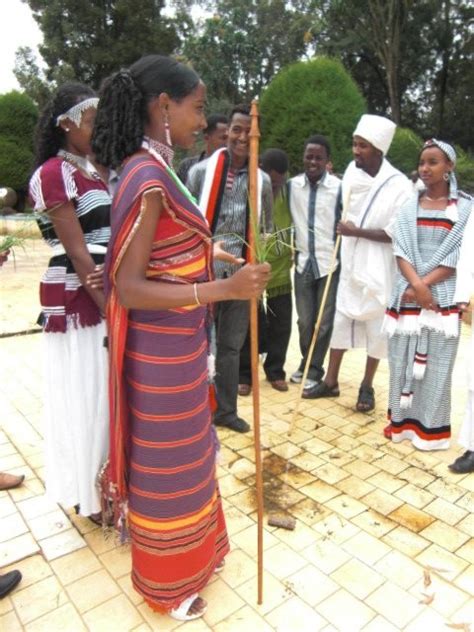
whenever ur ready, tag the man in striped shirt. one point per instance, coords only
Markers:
(220, 183)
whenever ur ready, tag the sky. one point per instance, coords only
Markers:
(18, 29)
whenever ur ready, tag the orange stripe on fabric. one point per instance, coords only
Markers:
(145, 388)
(157, 329)
(173, 495)
(173, 417)
(170, 444)
(164, 360)
(170, 524)
(173, 470)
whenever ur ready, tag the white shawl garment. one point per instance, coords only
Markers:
(368, 267)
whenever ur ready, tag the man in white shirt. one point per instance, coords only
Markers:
(314, 202)
(374, 191)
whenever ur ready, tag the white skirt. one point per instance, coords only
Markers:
(76, 415)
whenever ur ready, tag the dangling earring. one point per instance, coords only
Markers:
(167, 130)
(446, 175)
(66, 129)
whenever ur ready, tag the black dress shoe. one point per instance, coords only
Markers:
(463, 464)
(8, 582)
(238, 424)
(321, 389)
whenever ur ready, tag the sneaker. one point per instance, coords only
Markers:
(296, 377)
(310, 383)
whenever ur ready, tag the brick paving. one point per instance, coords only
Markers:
(376, 522)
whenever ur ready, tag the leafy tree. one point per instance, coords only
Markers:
(93, 39)
(30, 77)
(239, 49)
(411, 59)
(316, 97)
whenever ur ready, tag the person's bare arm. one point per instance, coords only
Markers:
(349, 229)
(69, 232)
(137, 292)
(441, 273)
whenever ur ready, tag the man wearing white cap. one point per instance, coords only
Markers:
(373, 192)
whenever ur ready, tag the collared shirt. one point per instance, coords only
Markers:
(231, 223)
(315, 210)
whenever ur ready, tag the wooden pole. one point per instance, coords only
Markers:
(322, 307)
(254, 137)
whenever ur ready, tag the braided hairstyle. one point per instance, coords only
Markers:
(49, 137)
(123, 107)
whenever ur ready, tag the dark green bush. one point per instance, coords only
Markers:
(16, 162)
(18, 116)
(404, 150)
(315, 97)
(465, 170)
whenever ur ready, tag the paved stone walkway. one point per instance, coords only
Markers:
(384, 538)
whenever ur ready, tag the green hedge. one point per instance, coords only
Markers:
(315, 97)
(18, 116)
(16, 163)
(405, 150)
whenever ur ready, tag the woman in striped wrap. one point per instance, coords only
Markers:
(423, 320)
(159, 287)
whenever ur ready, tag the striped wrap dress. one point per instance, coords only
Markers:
(423, 343)
(163, 445)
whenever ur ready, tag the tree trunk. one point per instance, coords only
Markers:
(444, 72)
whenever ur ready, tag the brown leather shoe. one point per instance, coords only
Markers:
(10, 481)
(279, 385)
(244, 389)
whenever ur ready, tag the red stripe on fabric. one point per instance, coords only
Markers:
(420, 433)
(437, 223)
(215, 186)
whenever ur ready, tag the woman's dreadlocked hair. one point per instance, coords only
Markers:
(123, 107)
(49, 137)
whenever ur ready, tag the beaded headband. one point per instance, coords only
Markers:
(75, 113)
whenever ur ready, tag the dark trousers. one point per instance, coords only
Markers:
(308, 294)
(232, 322)
(275, 327)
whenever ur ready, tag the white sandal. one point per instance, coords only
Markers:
(181, 612)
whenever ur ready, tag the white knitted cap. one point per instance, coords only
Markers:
(377, 130)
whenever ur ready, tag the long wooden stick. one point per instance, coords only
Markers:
(319, 319)
(254, 137)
